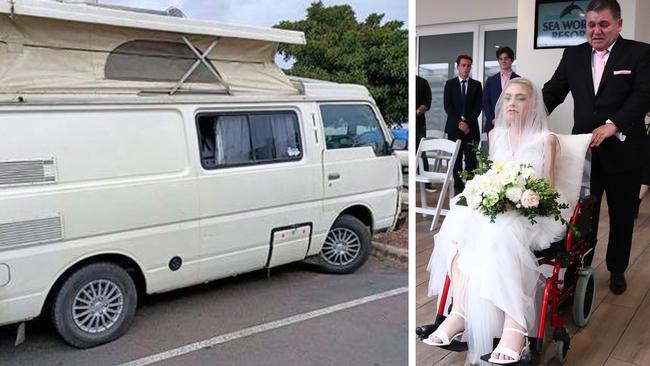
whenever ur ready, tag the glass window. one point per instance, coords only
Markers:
(352, 126)
(155, 61)
(493, 41)
(227, 140)
(437, 64)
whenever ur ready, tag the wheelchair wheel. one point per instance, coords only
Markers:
(561, 350)
(583, 298)
(562, 344)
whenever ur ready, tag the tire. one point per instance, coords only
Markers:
(346, 246)
(562, 344)
(561, 351)
(584, 296)
(103, 299)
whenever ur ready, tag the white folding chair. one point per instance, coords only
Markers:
(437, 160)
(444, 149)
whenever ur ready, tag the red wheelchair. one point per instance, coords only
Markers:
(571, 284)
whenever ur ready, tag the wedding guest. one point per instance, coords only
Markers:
(422, 105)
(462, 100)
(495, 84)
(611, 97)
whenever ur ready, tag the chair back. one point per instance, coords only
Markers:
(438, 145)
(569, 167)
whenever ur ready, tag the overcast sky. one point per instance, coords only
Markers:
(266, 12)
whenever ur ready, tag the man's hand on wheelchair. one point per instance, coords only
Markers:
(601, 133)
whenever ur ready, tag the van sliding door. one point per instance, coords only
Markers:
(258, 190)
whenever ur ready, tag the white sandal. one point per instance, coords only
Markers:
(515, 357)
(440, 334)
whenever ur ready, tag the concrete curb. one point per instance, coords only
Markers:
(386, 249)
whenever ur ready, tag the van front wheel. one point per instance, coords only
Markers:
(95, 305)
(346, 246)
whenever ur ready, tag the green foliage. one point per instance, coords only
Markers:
(491, 206)
(343, 50)
(483, 164)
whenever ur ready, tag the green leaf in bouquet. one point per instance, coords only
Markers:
(462, 201)
(483, 164)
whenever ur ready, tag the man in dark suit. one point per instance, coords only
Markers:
(495, 83)
(609, 78)
(422, 105)
(463, 99)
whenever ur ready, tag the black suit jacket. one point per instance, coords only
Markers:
(623, 97)
(422, 97)
(453, 107)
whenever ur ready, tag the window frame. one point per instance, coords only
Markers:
(378, 117)
(247, 113)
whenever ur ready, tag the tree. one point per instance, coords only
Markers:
(340, 49)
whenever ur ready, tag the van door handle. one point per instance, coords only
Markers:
(333, 176)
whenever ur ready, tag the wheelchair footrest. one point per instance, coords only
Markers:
(532, 358)
(424, 331)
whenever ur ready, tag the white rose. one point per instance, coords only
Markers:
(528, 173)
(529, 199)
(490, 200)
(473, 202)
(514, 194)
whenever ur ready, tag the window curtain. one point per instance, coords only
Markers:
(287, 141)
(232, 140)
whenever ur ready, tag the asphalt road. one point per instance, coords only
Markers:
(297, 317)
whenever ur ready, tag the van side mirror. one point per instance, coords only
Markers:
(399, 144)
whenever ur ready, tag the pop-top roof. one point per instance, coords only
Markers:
(120, 17)
(48, 46)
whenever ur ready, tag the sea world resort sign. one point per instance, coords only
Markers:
(559, 23)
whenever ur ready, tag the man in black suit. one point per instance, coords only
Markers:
(609, 78)
(463, 104)
(422, 105)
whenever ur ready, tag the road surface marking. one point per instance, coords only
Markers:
(192, 347)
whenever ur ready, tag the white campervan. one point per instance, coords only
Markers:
(140, 153)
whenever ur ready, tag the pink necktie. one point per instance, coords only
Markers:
(599, 67)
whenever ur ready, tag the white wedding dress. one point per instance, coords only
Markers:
(499, 272)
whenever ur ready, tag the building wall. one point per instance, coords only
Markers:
(539, 65)
(642, 23)
(428, 12)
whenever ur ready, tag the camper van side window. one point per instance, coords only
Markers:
(348, 125)
(237, 139)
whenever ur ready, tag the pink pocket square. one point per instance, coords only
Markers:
(622, 72)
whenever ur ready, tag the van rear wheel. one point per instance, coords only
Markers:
(346, 246)
(95, 305)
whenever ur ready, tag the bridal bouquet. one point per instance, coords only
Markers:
(495, 188)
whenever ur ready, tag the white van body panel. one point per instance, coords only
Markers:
(256, 198)
(129, 182)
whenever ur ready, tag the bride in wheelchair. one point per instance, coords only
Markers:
(494, 274)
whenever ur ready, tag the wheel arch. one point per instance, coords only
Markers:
(361, 212)
(130, 265)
